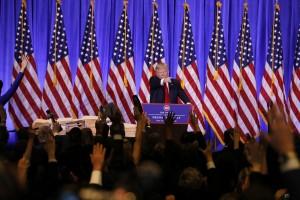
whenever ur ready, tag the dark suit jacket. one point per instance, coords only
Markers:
(157, 94)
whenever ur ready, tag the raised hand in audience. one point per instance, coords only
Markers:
(24, 162)
(136, 113)
(169, 121)
(236, 137)
(207, 152)
(98, 156)
(46, 137)
(256, 155)
(194, 122)
(281, 137)
(97, 160)
(137, 146)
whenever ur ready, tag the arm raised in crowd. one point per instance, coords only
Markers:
(24, 162)
(5, 97)
(142, 121)
(281, 139)
(97, 160)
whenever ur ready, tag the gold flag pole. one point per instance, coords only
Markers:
(125, 42)
(273, 56)
(186, 8)
(216, 74)
(154, 5)
(243, 43)
(54, 81)
(23, 8)
(92, 2)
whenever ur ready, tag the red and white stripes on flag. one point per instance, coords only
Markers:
(272, 89)
(58, 91)
(217, 106)
(88, 81)
(294, 97)
(25, 105)
(187, 70)
(121, 78)
(244, 83)
(154, 54)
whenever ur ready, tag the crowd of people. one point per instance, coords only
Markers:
(151, 166)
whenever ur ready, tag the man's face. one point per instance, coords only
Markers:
(162, 72)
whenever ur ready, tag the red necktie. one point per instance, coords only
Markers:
(167, 98)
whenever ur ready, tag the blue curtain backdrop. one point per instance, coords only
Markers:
(41, 18)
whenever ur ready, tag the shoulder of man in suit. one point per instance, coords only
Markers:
(174, 81)
(153, 77)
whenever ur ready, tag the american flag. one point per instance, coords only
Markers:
(58, 91)
(244, 83)
(272, 89)
(121, 78)
(25, 105)
(187, 71)
(154, 54)
(217, 106)
(294, 97)
(88, 81)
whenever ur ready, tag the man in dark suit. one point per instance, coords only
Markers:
(163, 89)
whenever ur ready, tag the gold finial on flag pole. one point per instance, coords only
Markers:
(277, 6)
(246, 5)
(155, 3)
(186, 5)
(24, 3)
(92, 2)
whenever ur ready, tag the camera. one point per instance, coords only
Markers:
(286, 196)
(50, 115)
(137, 103)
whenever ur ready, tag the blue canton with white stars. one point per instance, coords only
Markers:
(244, 48)
(187, 45)
(119, 50)
(89, 48)
(275, 44)
(23, 39)
(217, 51)
(59, 39)
(297, 53)
(158, 47)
